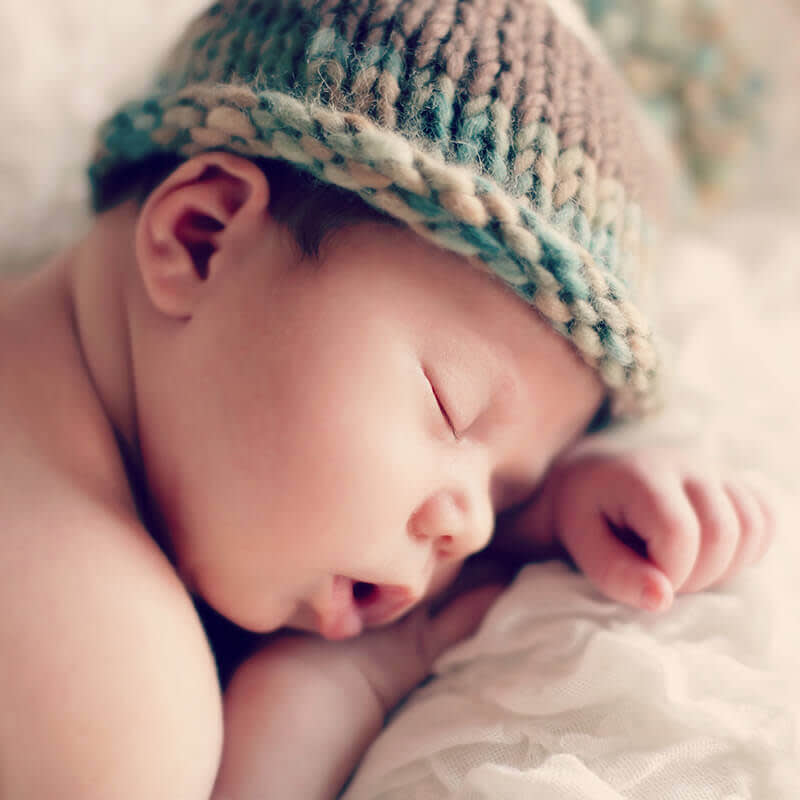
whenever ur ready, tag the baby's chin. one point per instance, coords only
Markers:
(265, 619)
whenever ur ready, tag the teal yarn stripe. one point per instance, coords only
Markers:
(130, 130)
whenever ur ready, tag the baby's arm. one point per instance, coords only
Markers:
(646, 522)
(300, 713)
(107, 684)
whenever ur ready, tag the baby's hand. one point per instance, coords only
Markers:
(300, 694)
(643, 525)
(394, 659)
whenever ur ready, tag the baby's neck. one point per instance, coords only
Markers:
(98, 268)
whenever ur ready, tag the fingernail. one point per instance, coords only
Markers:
(653, 598)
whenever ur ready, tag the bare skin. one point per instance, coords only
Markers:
(89, 678)
(89, 352)
(383, 423)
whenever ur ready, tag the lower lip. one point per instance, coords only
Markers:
(378, 606)
(345, 626)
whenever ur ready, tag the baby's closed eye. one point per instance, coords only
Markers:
(443, 408)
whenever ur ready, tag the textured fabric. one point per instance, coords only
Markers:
(565, 695)
(488, 126)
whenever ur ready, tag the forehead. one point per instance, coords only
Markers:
(460, 302)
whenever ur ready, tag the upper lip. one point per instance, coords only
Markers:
(389, 603)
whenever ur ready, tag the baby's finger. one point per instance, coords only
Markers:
(755, 523)
(720, 532)
(660, 513)
(615, 569)
(771, 502)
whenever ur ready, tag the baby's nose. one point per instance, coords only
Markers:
(455, 529)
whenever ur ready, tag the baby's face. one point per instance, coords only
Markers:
(338, 438)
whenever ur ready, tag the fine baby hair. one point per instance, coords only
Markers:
(498, 130)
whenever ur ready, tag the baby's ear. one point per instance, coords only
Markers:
(204, 204)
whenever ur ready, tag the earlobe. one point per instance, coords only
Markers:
(188, 223)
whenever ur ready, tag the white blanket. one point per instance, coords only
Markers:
(562, 694)
(565, 695)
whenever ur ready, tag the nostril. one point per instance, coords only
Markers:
(444, 545)
(364, 593)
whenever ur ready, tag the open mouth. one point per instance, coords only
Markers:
(355, 605)
(378, 604)
(365, 594)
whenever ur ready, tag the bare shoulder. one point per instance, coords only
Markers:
(98, 635)
(97, 632)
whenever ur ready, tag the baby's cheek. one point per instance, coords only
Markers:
(443, 577)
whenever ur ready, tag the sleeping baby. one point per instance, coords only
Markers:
(360, 301)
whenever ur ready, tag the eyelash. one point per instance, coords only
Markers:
(446, 416)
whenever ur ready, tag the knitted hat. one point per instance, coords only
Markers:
(495, 128)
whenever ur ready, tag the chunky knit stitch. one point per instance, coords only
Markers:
(488, 126)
